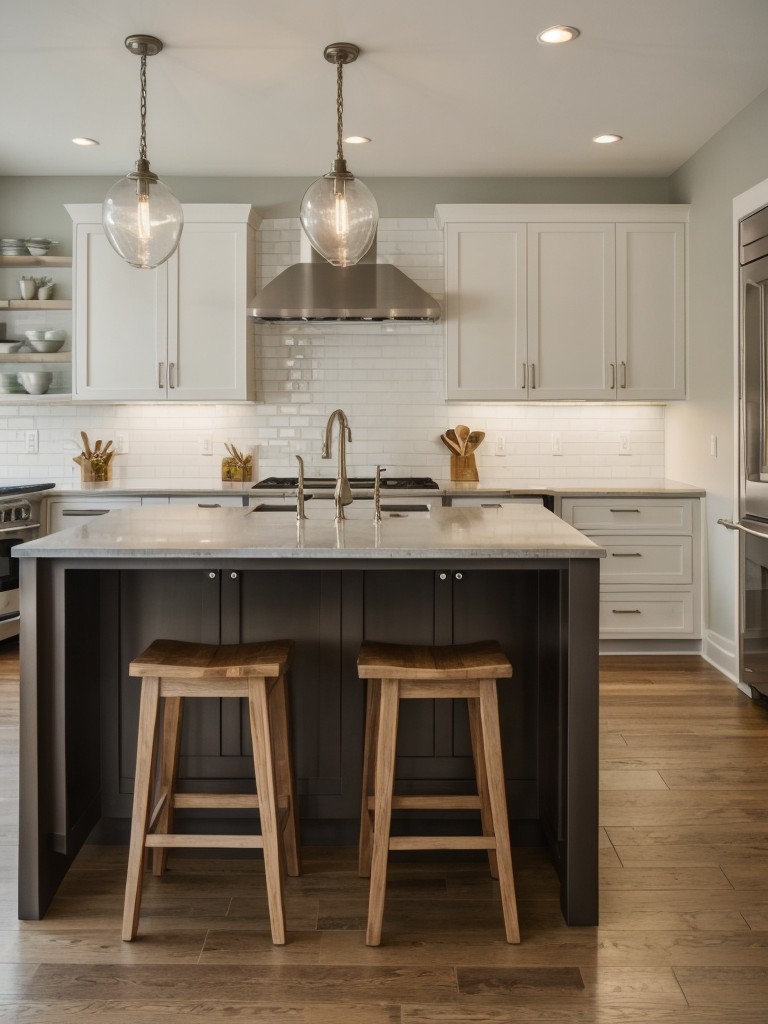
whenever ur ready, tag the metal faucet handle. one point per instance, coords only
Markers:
(300, 490)
(377, 496)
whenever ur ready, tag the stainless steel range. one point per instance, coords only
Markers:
(19, 522)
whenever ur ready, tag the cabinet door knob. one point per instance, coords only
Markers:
(443, 575)
(211, 575)
(233, 575)
(459, 576)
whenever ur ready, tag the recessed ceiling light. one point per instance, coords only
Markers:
(82, 141)
(558, 34)
(608, 137)
(357, 140)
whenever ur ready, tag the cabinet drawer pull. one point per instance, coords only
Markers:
(202, 504)
(171, 375)
(161, 375)
(626, 554)
(613, 376)
(623, 509)
(85, 511)
(626, 611)
(623, 366)
(525, 376)
(533, 375)
(490, 504)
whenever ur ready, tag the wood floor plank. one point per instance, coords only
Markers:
(627, 779)
(725, 986)
(283, 984)
(116, 1011)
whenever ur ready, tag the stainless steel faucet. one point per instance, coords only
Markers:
(342, 495)
(300, 490)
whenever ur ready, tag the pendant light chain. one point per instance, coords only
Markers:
(339, 108)
(143, 108)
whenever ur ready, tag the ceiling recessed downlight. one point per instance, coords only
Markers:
(558, 34)
(357, 140)
(606, 138)
(81, 140)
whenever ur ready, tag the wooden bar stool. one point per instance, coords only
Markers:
(173, 670)
(394, 672)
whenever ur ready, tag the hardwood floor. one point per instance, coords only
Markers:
(684, 902)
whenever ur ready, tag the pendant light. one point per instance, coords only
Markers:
(142, 218)
(338, 212)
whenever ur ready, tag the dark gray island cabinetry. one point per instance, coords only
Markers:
(95, 595)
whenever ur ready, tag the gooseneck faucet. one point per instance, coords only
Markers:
(342, 495)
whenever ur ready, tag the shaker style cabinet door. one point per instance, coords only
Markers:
(119, 320)
(178, 332)
(650, 311)
(486, 311)
(571, 311)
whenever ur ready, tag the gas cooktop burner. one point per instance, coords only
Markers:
(360, 483)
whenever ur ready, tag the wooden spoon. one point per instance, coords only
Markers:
(451, 436)
(452, 446)
(474, 440)
(462, 433)
(86, 445)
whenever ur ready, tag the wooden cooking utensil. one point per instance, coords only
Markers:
(86, 445)
(452, 446)
(451, 435)
(474, 441)
(462, 433)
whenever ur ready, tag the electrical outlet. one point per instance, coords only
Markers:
(30, 442)
(624, 446)
(499, 450)
(713, 445)
(121, 443)
(206, 445)
(557, 443)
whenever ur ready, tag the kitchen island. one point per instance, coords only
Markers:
(94, 596)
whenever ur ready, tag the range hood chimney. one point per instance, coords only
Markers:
(315, 291)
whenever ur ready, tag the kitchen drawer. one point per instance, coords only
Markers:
(656, 615)
(645, 559)
(630, 515)
(66, 512)
(494, 500)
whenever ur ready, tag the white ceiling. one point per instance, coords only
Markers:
(444, 87)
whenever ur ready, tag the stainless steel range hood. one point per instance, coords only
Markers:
(317, 291)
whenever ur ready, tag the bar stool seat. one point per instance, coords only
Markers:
(469, 671)
(175, 670)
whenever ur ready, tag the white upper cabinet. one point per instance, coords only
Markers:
(565, 302)
(486, 323)
(571, 310)
(178, 332)
(650, 311)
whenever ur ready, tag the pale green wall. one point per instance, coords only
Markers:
(35, 206)
(734, 160)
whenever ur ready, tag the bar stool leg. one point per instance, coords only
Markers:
(169, 773)
(145, 759)
(280, 716)
(385, 780)
(478, 756)
(494, 767)
(369, 778)
(258, 707)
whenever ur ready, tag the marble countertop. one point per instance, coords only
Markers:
(157, 532)
(559, 488)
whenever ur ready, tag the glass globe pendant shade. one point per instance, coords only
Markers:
(340, 216)
(142, 219)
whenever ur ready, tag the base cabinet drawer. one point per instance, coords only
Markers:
(630, 515)
(639, 559)
(652, 614)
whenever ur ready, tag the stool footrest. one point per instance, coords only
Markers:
(205, 841)
(223, 800)
(442, 842)
(434, 802)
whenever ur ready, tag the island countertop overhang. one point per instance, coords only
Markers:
(508, 532)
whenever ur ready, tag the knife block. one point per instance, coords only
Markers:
(464, 467)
